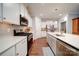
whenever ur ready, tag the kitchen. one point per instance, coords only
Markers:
(23, 25)
(14, 29)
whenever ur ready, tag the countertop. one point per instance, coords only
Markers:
(9, 41)
(70, 39)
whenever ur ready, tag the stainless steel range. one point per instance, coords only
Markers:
(29, 38)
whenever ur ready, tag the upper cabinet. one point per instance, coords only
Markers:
(21, 48)
(0, 12)
(11, 13)
(22, 9)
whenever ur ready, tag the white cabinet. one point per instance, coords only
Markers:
(1, 12)
(43, 33)
(65, 50)
(52, 43)
(22, 9)
(11, 12)
(9, 52)
(60, 48)
(21, 48)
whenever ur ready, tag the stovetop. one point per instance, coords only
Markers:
(22, 34)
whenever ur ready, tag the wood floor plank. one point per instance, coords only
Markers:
(36, 49)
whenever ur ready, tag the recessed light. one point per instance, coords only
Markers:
(60, 14)
(41, 14)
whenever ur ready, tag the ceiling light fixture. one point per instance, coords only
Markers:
(60, 14)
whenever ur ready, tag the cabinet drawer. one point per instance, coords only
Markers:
(52, 42)
(65, 49)
(9, 52)
(21, 48)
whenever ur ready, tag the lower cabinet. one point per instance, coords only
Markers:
(9, 52)
(60, 48)
(52, 43)
(65, 50)
(20, 49)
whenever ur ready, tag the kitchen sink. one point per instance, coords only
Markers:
(59, 34)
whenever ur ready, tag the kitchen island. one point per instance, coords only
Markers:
(63, 44)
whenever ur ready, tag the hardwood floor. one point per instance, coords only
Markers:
(36, 49)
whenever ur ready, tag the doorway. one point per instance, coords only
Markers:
(63, 26)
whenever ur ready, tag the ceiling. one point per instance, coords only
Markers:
(52, 11)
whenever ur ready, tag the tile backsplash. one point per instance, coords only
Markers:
(7, 29)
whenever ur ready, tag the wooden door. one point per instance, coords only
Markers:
(75, 26)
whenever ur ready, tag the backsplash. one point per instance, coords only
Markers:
(7, 29)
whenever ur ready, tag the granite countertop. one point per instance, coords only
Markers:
(9, 41)
(70, 39)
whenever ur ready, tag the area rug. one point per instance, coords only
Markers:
(47, 51)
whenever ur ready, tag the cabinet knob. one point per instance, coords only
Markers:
(17, 53)
(4, 18)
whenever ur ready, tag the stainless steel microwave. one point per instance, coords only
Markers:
(23, 21)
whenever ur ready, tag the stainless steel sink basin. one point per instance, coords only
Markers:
(59, 35)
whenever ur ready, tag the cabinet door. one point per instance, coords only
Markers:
(1, 12)
(21, 48)
(9, 52)
(22, 10)
(65, 50)
(75, 24)
(11, 12)
(52, 42)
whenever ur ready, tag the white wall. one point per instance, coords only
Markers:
(68, 18)
(43, 25)
(48, 23)
(36, 23)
